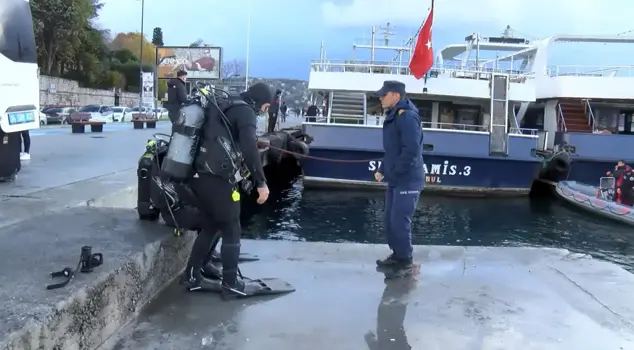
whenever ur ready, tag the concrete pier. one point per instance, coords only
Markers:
(464, 298)
(80, 190)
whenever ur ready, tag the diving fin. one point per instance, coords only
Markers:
(252, 288)
(244, 257)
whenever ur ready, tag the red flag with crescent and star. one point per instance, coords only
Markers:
(423, 57)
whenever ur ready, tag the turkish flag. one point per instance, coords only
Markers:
(423, 57)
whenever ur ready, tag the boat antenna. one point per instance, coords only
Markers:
(387, 33)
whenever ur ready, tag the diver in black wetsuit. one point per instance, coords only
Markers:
(618, 173)
(626, 187)
(218, 198)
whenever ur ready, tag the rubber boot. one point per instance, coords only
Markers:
(232, 286)
(192, 278)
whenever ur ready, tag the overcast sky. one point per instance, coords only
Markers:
(286, 34)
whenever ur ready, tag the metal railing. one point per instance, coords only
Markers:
(590, 71)
(374, 120)
(561, 122)
(444, 70)
(590, 114)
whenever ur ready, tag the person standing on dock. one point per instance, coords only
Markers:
(403, 170)
(273, 111)
(218, 198)
(176, 95)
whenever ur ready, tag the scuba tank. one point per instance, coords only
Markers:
(177, 164)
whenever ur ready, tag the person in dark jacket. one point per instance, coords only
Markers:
(218, 198)
(403, 170)
(283, 110)
(311, 113)
(176, 94)
(626, 187)
(273, 111)
(618, 173)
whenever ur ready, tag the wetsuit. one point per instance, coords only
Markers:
(218, 199)
(626, 187)
(618, 173)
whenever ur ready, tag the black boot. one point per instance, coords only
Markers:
(192, 278)
(211, 271)
(399, 269)
(232, 287)
(389, 261)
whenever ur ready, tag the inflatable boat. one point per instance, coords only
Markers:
(596, 199)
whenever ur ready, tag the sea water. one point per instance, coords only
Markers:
(357, 216)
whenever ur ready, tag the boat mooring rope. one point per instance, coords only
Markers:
(569, 193)
(323, 159)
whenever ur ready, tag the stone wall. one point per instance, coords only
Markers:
(63, 92)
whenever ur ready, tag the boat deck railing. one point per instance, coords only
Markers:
(372, 120)
(591, 71)
(444, 70)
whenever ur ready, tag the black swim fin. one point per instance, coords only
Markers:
(244, 257)
(252, 288)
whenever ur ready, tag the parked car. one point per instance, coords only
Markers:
(94, 113)
(121, 114)
(57, 115)
(148, 112)
(160, 113)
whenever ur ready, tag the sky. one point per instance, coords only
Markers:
(285, 35)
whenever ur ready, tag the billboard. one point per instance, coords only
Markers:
(198, 62)
(147, 94)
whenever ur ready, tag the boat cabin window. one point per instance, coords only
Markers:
(424, 110)
(459, 116)
(533, 119)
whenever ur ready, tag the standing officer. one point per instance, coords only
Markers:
(403, 170)
(176, 95)
(219, 198)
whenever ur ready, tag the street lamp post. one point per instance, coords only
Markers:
(246, 73)
(141, 56)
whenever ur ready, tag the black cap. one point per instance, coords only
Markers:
(260, 93)
(391, 86)
(181, 73)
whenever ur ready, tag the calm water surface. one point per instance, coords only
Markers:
(345, 216)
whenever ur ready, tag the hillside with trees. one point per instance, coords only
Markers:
(71, 46)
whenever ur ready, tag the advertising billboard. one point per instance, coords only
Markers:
(147, 95)
(198, 62)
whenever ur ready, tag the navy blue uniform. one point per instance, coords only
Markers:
(403, 170)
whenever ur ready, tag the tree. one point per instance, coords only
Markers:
(132, 41)
(60, 28)
(233, 68)
(197, 43)
(157, 37)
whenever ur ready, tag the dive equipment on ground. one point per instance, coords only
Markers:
(87, 261)
(145, 207)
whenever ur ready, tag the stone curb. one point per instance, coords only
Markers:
(86, 319)
(90, 316)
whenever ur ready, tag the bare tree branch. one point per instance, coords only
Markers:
(233, 68)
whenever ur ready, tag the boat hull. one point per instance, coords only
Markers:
(589, 171)
(456, 161)
(331, 168)
(585, 197)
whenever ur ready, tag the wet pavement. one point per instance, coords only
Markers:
(464, 298)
